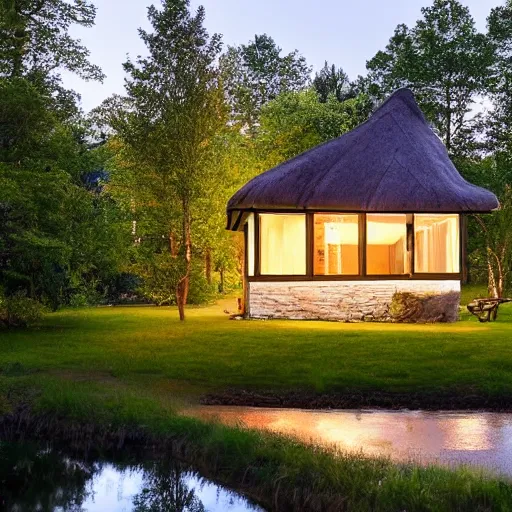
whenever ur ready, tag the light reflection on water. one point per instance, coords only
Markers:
(480, 439)
(116, 490)
(37, 477)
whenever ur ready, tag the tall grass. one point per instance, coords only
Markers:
(281, 473)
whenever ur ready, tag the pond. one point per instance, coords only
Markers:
(481, 439)
(39, 477)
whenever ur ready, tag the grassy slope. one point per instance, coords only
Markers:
(132, 366)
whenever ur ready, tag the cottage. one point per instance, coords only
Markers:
(337, 231)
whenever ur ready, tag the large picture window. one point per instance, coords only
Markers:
(331, 244)
(283, 244)
(386, 244)
(436, 247)
(336, 244)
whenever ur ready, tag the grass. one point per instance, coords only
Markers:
(209, 352)
(134, 367)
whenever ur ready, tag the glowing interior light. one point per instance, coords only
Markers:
(386, 248)
(436, 243)
(283, 244)
(336, 241)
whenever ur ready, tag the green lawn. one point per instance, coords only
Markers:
(133, 367)
(209, 352)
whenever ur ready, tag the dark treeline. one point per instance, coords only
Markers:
(127, 203)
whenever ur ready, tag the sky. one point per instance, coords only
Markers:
(344, 32)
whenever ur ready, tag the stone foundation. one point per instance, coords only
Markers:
(341, 300)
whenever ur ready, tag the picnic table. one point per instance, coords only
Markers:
(486, 310)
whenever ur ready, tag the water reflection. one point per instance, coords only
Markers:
(41, 478)
(481, 439)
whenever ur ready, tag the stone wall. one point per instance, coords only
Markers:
(339, 300)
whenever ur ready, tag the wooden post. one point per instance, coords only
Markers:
(463, 223)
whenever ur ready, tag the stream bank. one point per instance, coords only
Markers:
(432, 401)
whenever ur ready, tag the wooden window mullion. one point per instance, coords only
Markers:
(310, 244)
(362, 244)
(257, 246)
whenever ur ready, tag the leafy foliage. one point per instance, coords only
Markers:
(256, 73)
(499, 124)
(295, 122)
(58, 238)
(35, 38)
(332, 81)
(19, 311)
(446, 62)
(173, 111)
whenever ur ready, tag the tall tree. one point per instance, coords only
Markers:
(56, 236)
(35, 38)
(446, 62)
(500, 119)
(490, 242)
(297, 121)
(256, 73)
(331, 80)
(54, 233)
(173, 110)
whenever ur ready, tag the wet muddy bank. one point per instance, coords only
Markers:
(371, 400)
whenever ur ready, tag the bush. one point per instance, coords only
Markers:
(20, 311)
(200, 291)
(124, 289)
(160, 277)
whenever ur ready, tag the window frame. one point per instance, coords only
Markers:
(363, 275)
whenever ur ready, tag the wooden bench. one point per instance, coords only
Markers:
(486, 310)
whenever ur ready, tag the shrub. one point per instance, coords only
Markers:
(160, 276)
(200, 291)
(124, 289)
(20, 311)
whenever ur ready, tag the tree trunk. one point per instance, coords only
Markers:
(221, 284)
(492, 285)
(208, 265)
(448, 137)
(173, 246)
(183, 285)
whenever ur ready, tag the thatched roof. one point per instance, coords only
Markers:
(392, 163)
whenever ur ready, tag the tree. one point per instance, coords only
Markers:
(35, 38)
(498, 245)
(489, 244)
(256, 73)
(166, 124)
(446, 62)
(55, 234)
(297, 121)
(57, 238)
(499, 122)
(490, 240)
(332, 81)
